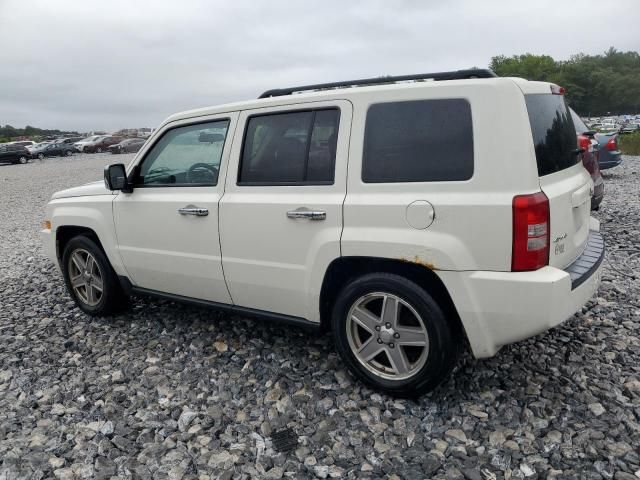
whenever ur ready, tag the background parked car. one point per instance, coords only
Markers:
(130, 145)
(23, 143)
(14, 154)
(52, 150)
(590, 153)
(101, 144)
(79, 145)
(610, 154)
(69, 140)
(38, 146)
(630, 127)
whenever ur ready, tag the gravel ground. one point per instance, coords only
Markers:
(169, 391)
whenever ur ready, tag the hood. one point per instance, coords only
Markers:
(89, 189)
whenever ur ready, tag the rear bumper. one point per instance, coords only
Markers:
(610, 160)
(498, 308)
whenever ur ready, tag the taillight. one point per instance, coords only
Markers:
(557, 89)
(611, 145)
(530, 248)
(584, 143)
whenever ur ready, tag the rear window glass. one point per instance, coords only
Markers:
(418, 141)
(554, 135)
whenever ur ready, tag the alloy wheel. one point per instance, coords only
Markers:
(85, 277)
(387, 336)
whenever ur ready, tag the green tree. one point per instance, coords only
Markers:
(596, 84)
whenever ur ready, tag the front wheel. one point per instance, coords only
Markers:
(99, 149)
(41, 156)
(393, 335)
(23, 160)
(68, 153)
(90, 279)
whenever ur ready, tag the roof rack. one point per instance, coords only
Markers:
(437, 76)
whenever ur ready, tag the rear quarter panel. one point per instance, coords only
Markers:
(473, 218)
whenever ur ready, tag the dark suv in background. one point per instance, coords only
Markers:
(14, 154)
(588, 144)
(101, 144)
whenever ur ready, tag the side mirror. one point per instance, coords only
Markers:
(115, 177)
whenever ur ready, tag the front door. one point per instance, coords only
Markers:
(281, 214)
(167, 228)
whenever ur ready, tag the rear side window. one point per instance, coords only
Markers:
(293, 148)
(554, 135)
(418, 141)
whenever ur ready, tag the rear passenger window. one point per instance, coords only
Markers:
(418, 141)
(294, 148)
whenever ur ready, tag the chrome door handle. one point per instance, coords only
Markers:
(190, 210)
(305, 213)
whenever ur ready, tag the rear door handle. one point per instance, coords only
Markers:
(306, 213)
(191, 210)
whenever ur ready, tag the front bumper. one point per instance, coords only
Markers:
(48, 239)
(498, 308)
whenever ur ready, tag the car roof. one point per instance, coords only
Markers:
(347, 93)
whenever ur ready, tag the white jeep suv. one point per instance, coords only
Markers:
(409, 215)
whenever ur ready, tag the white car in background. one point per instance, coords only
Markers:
(440, 237)
(79, 146)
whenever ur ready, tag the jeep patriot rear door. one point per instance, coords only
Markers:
(281, 213)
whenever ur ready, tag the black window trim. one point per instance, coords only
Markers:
(430, 182)
(138, 165)
(289, 184)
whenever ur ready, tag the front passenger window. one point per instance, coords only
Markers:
(186, 156)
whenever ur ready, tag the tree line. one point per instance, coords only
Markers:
(597, 85)
(8, 133)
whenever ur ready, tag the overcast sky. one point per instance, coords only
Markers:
(89, 65)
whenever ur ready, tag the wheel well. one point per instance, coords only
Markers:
(67, 232)
(344, 269)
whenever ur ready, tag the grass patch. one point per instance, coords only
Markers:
(630, 143)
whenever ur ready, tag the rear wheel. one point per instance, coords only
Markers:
(99, 149)
(90, 279)
(393, 335)
(41, 156)
(23, 160)
(68, 153)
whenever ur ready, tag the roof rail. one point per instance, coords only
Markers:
(437, 76)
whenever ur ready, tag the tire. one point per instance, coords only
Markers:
(22, 160)
(420, 317)
(112, 299)
(41, 156)
(68, 153)
(99, 150)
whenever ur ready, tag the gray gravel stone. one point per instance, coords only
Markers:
(174, 392)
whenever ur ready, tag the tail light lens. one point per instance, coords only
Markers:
(612, 144)
(584, 143)
(530, 248)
